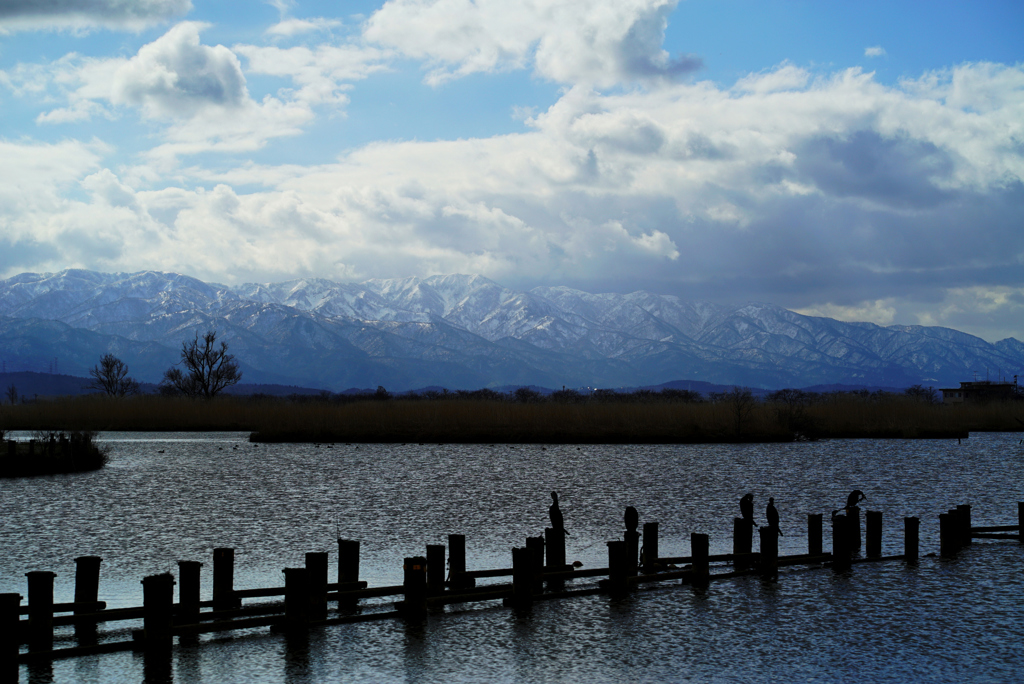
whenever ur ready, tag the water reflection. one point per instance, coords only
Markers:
(879, 622)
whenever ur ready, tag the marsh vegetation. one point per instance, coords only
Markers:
(526, 416)
(51, 452)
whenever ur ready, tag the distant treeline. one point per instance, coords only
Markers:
(484, 416)
(572, 396)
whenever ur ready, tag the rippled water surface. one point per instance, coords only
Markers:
(170, 497)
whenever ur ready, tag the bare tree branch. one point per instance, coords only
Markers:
(111, 377)
(206, 370)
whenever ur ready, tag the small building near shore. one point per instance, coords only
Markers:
(978, 391)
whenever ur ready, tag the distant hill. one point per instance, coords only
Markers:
(466, 332)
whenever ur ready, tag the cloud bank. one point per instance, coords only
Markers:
(576, 41)
(825, 192)
(134, 15)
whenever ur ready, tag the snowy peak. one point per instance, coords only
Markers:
(441, 329)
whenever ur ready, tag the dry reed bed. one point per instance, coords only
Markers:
(475, 421)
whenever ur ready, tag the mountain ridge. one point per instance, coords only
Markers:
(466, 332)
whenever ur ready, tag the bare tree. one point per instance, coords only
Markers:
(207, 368)
(12, 394)
(111, 377)
(927, 395)
(741, 403)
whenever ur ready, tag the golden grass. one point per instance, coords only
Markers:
(476, 421)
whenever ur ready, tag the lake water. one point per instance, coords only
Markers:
(170, 496)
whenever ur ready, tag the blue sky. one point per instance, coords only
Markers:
(862, 161)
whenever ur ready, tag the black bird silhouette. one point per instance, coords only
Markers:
(747, 508)
(856, 496)
(555, 513)
(632, 519)
(772, 515)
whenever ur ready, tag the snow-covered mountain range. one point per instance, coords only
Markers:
(465, 331)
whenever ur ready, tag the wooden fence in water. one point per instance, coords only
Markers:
(539, 573)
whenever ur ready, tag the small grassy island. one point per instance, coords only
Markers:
(50, 453)
(483, 416)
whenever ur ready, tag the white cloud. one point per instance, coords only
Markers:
(288, 28)
(322, 74)
(880, 311)
(874, 51)
(29, 15)
(598, 42)
(197, 92)
(177, 76)
(786, 76)
(836, 195)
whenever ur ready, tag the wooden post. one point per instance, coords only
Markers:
(947, 535)
(12, 449)
(742, 541)
(814, 534)
(853, 520)
(964, 513)
(415, 587)
(457, 563)
(522, 577)
(87, 590)
(31, 449)
(348, 561)
(536, 546)
(316, 564)
(618, 567)
(40, 609)
(1020, 521)
(224, 579)
(554, 547)
(348, 569)
(840, 543)
(87, 582)
(769, 551)
(956, 526)
(873, 534)
(911, 527)
(632, 538)
(649, 555)
(699, 551)
(10, 637)
(296, 598)
(435, 569)
(158, 611)
(188, 591)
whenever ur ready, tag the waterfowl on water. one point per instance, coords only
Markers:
(747, 508)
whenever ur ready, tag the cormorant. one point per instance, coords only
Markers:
(747, 508)
(632, 519)
(557, 521)
(856, 496)
(772, 515)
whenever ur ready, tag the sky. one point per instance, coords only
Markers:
(863, 161)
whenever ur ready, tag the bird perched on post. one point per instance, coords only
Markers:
(555, 513)
(747, 508)
(632, 519)
(856, 496)
(772, 515)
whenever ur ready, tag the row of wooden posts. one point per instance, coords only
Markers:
(539, 565)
